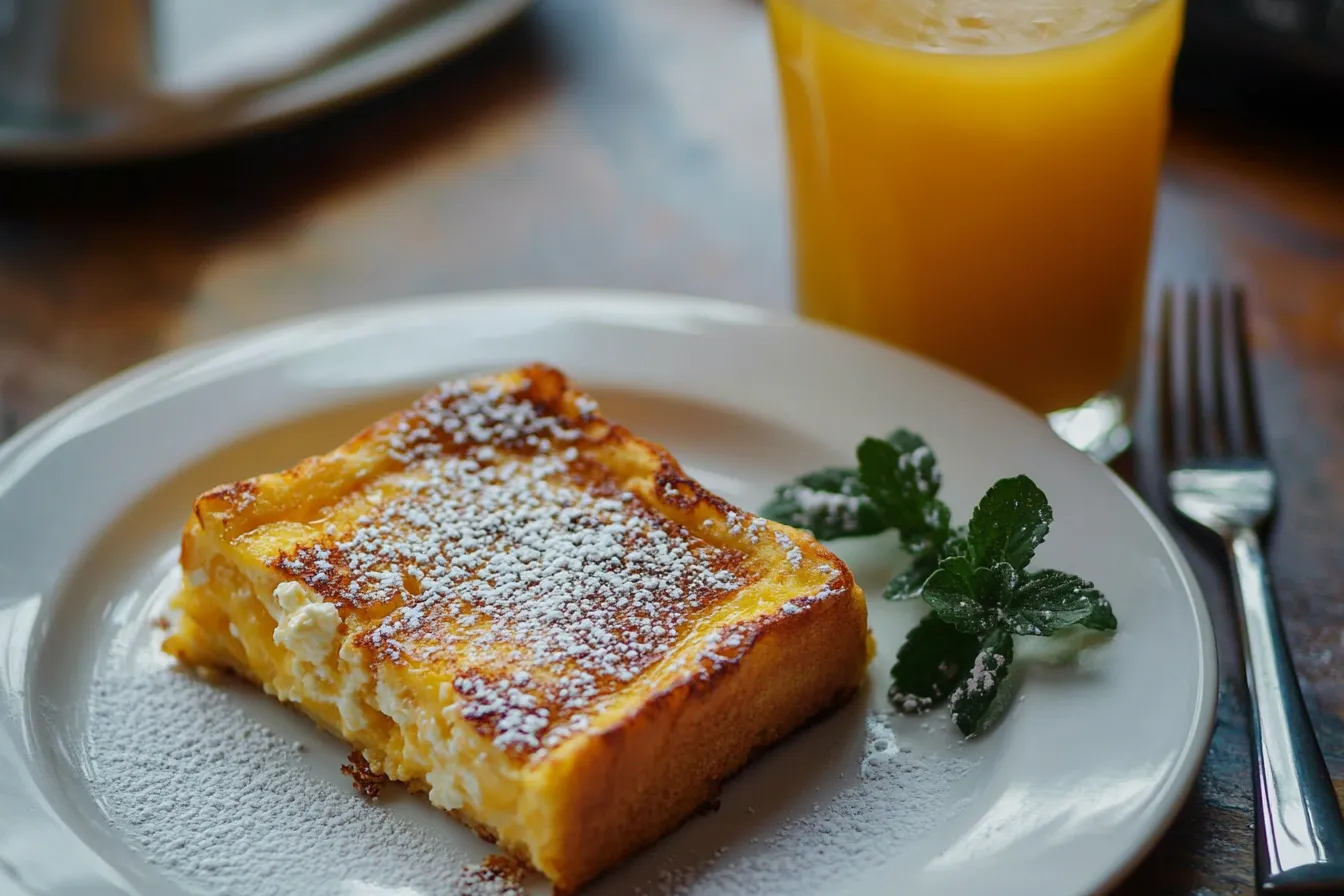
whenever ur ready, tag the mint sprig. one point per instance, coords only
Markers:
(975, 579)
(987, 592)
(894, 486)
(830, 503)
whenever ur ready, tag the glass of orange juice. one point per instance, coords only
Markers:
(974, 180)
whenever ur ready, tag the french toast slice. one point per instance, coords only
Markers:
(505, 600)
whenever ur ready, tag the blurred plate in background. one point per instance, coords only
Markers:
(203, 85)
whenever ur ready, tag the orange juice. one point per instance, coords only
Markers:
(974, 179)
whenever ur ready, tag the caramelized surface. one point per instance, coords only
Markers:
(543, 561)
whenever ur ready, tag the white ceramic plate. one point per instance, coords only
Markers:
(108, 788)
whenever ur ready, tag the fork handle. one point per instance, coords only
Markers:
(1300, 840)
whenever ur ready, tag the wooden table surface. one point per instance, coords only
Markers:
(634, 143)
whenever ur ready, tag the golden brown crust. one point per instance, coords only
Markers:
(368, 782)
(725, 682)
(497, 874)
(635, 782)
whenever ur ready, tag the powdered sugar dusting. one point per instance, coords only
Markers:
(791, 551)
(462, 415)
(828, 508)
(224, 806)
(898, 798)
(494, 546)
(984, 674)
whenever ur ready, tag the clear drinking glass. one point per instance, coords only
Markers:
(974, 180)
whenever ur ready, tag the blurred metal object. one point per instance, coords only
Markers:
(73, 57)
(84, 80)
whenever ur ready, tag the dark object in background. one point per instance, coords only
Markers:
(1271, 62)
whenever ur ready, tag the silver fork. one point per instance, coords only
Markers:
(1219, 479)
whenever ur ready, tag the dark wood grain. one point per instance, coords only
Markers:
(634, 143)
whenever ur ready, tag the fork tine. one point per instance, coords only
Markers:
(1180, 382)
(1243, 421)
(1163, 419)
(1212, 433)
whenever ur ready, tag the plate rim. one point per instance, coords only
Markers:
(1170, 796)
(385, 64)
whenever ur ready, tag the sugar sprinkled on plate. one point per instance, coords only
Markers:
(899, 797)
(223, 805)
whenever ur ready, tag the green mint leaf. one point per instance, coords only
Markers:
(953, 591)
(972, 598)
(1048, 600)
(1102, 617)
(996, 584)
(902, 480)
(907, 442)
(937, 522)
(934, 659)
(972, 703)
(829, 503)
(956, 545)
(1009, 523)
(909, 583)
